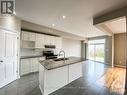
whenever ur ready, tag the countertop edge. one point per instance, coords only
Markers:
(27, 57)
(81, 60)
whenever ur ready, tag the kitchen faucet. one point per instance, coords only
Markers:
(61, 52)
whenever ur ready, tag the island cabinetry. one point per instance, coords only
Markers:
(75, 71)
(54, 79)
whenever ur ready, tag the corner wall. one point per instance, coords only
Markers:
(120, 49)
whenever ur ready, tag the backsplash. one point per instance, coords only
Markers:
(30, 52)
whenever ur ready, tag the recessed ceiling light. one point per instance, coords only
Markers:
(53, 25)
(14, 13)
(64, 17)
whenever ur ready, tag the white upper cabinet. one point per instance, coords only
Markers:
(52, 40)
(47, 40)
(28, 36)
(25, 35)
(32, 36)
(39, 41)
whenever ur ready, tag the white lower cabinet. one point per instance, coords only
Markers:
(29, 65)
(54, 79)
(34, 65)
(24, 66)
(75, 71)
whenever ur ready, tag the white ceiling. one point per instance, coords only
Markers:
(117, 25)
(79, 13)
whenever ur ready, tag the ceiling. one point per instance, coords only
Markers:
(117, 25)
(79, 14)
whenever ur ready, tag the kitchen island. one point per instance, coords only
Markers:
(54, 74)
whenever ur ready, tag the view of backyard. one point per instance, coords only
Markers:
(96, 52)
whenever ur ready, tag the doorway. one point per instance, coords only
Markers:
(8, 57)
(96, 50)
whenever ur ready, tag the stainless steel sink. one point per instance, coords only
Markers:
(60, 59)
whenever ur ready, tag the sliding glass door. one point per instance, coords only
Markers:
(99, 52)
(96, 50)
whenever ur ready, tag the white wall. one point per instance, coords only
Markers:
(71, 47)
(10, 22)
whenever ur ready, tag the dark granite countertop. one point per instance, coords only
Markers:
(51, 64)
(26, 57)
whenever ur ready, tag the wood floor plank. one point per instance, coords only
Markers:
(114, 79)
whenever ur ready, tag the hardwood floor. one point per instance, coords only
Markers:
(98, 79)
(114, 79)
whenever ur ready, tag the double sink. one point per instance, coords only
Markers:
(60, 59)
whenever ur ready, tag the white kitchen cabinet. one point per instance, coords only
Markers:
(55, 79)
(32, 36)
(24, 66)
(34, 65)
(28, 36)
(39, 41)
(47, 40)
(52, 40)
(75, 71)
(25, 35)
(30, 65)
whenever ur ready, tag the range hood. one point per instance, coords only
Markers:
(50, 46)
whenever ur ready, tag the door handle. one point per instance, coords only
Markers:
(1, 61)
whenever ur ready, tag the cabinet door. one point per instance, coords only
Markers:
(52, 40)
(39, 41)
(55, 79)
(32, 36)
(75, 71)
(34, 65)
(25, 66)
(47, 40)
(25, 35)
